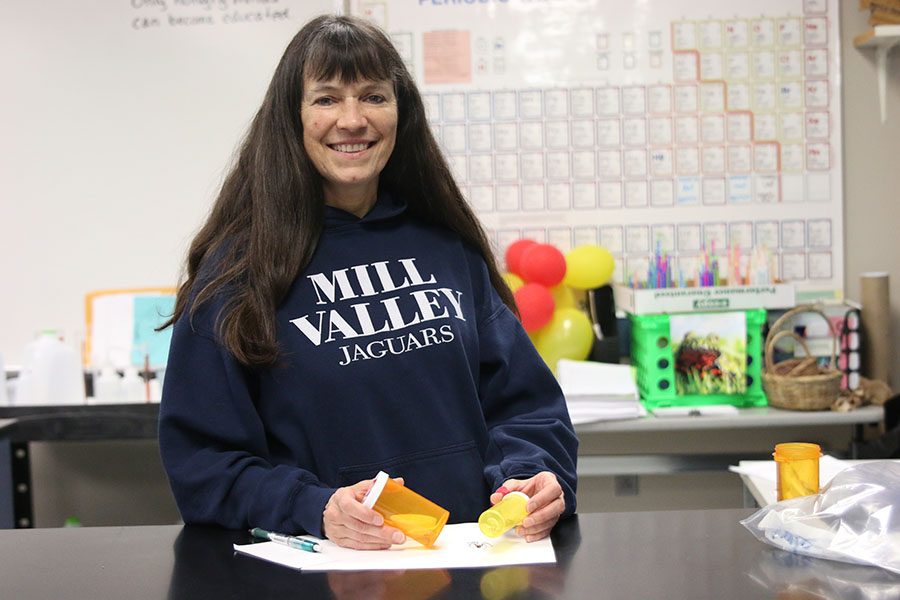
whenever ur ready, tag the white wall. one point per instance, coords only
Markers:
(115, 141)
(871, 171)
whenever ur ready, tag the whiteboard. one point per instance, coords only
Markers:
(640, 124)
(118, 120)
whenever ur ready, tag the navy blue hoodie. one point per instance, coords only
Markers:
(398, 355)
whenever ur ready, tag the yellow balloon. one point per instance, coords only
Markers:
(568, 335)
(588, 267)
(513, 281)
(564, 296)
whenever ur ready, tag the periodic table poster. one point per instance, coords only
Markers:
(684, 127)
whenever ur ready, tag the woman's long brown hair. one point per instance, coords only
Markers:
(266, 222)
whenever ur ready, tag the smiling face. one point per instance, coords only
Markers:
(349, 131)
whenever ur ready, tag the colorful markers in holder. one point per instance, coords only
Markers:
(755, 268)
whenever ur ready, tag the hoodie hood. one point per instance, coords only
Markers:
(386, 207)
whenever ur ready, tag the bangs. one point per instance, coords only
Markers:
(345, 53)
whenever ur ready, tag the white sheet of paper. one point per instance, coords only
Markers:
(592, 413)
(459, 546)
(765, 469)
(599, 391)
(581, 377)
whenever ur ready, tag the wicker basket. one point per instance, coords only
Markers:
(799, 383)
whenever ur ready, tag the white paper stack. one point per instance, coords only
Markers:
(599, 391)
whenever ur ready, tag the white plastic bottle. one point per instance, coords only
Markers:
(51, 371)
(108, 385)
(134, 389)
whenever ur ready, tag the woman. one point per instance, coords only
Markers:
(342, 314)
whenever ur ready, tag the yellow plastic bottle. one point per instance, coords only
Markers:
(416, 516)
(504, 515)
(798, 469)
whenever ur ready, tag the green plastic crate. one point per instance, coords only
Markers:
(653, 357)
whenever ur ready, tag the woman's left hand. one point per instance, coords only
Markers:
(547, 502)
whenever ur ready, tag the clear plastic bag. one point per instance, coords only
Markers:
(853, 519)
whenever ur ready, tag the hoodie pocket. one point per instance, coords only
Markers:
(450, 476)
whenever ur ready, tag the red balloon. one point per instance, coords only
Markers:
(542, 263)
(514, 254)
(536, 306)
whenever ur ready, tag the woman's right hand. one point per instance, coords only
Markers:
(347, 523)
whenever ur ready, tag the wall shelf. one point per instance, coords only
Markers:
(882, 38)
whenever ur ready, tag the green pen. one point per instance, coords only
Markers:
(288, 540)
